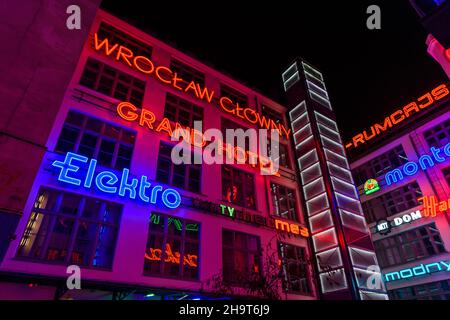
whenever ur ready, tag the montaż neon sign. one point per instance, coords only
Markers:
(411, 168)
(168, 77)
(399, 116)
(109, 182)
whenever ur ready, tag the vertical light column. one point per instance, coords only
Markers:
(345, 259)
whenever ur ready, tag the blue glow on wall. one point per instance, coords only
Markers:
(109, 182)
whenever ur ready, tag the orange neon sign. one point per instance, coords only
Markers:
(171, 257)
(168, 77)
(399, 116)
(129, 112)
(431, 206)
(293, 228)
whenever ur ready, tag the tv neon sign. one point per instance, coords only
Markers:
(420, 270)
(109, 182)
(411, 168)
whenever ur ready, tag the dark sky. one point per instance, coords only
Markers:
(367, 72)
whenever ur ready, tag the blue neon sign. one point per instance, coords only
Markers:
(411, 168)
(109, 182)
(417, 271)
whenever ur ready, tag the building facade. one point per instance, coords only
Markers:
(402, 168)
(164, 231)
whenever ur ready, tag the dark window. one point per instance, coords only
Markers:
(238, 187)
(439, 135)
(241, 257)
(187, 73)
(272, 114)
(112, 146)
(284, 202)
(114, 36)
(392, 202)
(70, 229)
(185, 176)
(182, 111)
(234, 95)
(439, 290)
(283, 154)
(228, 124)
(295, 268)
(446, 173)
(408, 246)
(172, 247)
(112, 82)
(385, 162)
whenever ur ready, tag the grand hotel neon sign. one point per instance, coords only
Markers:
(168, 77)
(399, 116)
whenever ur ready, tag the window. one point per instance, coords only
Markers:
(185, 176)
(283, 154)
(112, 82)
(187, 73)
(234, 95)
(112, 146)
(114, 36)
(67, 228)
(182, 111)
(439, 135)
(377, 166)
(439, 290)
(238, 187)
(408, 246)
(295, 268)
(172, 247)
(446, 173)
(272, 114)
(393, 202)
(228, 124)
(283, 202)
(241, 257)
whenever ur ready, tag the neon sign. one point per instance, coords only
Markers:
(109, 182)
(420, 270)
(411, 168)
(171, 257)
(399, 116)
(384, 226)
(371, 186)
(431, 206)
(293, 228)
(168, 77)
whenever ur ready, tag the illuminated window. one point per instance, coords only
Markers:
(284, 202)
(241, 256)
(187, 73)
(295, 268)
(392, 202)
(112, 82)
(409, 246)
(172, 247)
(182, 111)
(185, 176)
(114, 36)
(112, 146)
(238, 187)
(439, 290)
(439, 135)
(234, 95)
(375, 167)
(70, 229)
(446, 173)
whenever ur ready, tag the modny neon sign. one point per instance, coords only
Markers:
(109, 182)
(420, 270)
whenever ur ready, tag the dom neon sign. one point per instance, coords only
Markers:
(109, 182)
(420, 270)
(411, 168)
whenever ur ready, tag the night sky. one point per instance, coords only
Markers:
(367, 72)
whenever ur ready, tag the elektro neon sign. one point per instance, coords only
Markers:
(411, 168)
(399, 116)
(420, 270)
(109, 182)
(168, 77)
(432, 207)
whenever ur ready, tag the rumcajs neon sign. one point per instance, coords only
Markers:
(109, 182)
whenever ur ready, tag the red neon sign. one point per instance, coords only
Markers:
(431, 206)
(171, 257)
(168, 77)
